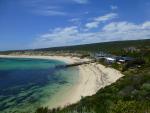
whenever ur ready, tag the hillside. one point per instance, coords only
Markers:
(130, 94)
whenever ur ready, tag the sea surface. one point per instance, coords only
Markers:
(26, 84)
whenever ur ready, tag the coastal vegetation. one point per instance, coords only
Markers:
(130, 94)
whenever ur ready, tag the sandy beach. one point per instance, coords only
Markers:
(92, 77)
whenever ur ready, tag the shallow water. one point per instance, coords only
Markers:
(26, 84)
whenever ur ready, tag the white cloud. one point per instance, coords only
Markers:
(51, 13)
(92, 25)
(106, 17)
(44, 7)
(74, 20)
(126, 31)
(121, 26)
(81, 1)
(59, 36)
(146, 25)
(113, 7)
(110, 32)
(95, 23)
(50, 7)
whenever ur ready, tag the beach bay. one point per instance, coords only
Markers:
(48, 86)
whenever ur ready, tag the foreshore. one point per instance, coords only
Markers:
(92, 77)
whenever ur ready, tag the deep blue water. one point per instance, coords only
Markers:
(26, 84)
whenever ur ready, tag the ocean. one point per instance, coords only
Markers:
(26, 84)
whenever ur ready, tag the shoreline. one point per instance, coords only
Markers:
(92, 77)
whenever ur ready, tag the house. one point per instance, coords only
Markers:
(110, 59)
(118, 59)
(99, 55)
(125, 59)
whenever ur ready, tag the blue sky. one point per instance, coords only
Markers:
(49, 23)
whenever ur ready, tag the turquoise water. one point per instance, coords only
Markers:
(26, 84)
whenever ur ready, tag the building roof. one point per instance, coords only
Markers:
(110, 58)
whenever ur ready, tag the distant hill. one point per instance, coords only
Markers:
(108, 46)
(114, 47)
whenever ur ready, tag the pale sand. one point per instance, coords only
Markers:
(92, 77)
